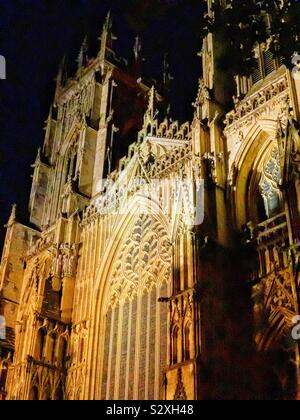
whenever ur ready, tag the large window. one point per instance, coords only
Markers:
(135, 347)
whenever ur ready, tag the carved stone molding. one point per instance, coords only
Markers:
(144, 260)
(253, 107)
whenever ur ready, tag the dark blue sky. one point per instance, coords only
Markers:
(35, 34)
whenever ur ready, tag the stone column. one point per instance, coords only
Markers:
(192, 332)
(191, 258)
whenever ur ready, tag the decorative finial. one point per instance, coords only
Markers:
(50, 114)
(107, 38)
(37, 159)
(61, 72)
(38, 156)
(61, 77)
(13, 216)
(151, 112)
(47, 122)
(167, 77)
(81, 60)
(108, 22)
(151, 104)
(137, 48)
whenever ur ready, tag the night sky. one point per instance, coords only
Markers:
(34, 36)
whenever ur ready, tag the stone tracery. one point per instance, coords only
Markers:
(139, 277)
(270, 182)
(144, 259)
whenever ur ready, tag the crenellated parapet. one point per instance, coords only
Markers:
(168, 129)
(172, 130)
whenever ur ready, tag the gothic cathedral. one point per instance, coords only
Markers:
(160, 260)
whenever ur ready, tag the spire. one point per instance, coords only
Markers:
(167, 77)
(38, 156)
(61, 72)
(137, 48)
(48, 120)
(107, 37)
(215, 81)
(136, 59)
(37, 159)
(49, 115)
(151, 112)
(81, 60)
(47, 129)
(60, 78)
(108, 22)
(13, 216)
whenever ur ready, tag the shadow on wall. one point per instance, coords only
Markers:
(231, 366)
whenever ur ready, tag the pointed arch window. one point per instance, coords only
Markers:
(135, 347)
(40, 344)
(71, 165)
(51, 348)
(62, 350)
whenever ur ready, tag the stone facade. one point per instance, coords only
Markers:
(115, 289)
